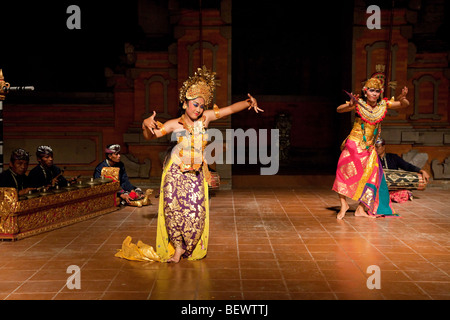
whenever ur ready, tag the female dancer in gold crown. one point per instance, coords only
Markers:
(183, 218)
(359, 174)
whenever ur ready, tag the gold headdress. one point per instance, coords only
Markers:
(201, 85)
(373, 83)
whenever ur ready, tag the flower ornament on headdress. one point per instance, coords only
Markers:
(201, 85)
(380, 74)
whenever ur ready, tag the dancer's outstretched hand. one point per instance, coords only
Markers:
(150, 123)
(403, 94)
(253, 104)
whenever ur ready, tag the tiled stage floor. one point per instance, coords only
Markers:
(264, 244)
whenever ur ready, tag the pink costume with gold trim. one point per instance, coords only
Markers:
(359, 173)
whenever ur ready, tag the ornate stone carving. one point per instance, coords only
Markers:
(419, 159)
(441, 170)
(283, 122)
(134, 168)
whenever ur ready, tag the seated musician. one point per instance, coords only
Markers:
(46, 174)
(128, 192)
(15, 176)
(395, 162)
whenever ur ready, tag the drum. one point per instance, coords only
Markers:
(399, 180)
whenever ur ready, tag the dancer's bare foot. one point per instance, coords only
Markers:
(177, 256)
(360, 212)
(344, 208)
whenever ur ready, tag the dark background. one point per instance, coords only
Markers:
(38, 49)
(291, 48)
(279, 48)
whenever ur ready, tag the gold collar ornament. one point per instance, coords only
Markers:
(365, 111)
(369, 115)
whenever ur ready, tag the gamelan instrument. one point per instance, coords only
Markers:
(399, 179)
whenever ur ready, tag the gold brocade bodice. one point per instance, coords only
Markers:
(363, 133)
(191, 143)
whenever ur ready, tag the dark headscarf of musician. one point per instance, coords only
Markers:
(380, 141)
(43, 150)
(19, 154)
(112, 148)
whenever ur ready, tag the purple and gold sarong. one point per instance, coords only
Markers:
(360, 176)
(183, 217)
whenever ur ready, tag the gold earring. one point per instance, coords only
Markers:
(184, 106)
